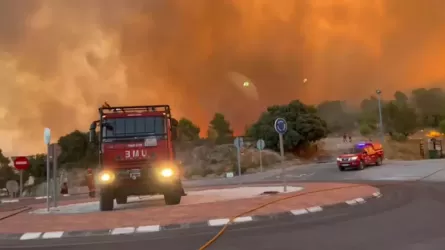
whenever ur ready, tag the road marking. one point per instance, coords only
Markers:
(299, 211)
(52, 235)
(218, 222)
(30, 236)
(315, 209)
(360, 200)
(122, 230)
(10, 201)
(351, 202)
(148, 229)
(41, 197)
(243, 219)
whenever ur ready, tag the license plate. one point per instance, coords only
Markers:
(345, 164)
(135, 173)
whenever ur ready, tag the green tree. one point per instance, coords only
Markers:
(6, 170)
(76, 150)
(304, 126)
(430, 104)
(365, 129)
(220, 128)
(336, 116)
(399, 118)
(187, 130)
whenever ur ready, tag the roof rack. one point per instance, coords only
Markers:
(107, 109)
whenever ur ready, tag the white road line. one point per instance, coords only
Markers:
(10, 201)
(123, 230)
(351, 202)
(243, 219)
(299, 211)
(52, 235)
(360, 200)
(218, 222)
(148, 229)
(30, 236)
(315, 209)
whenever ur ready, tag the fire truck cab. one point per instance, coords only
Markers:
(136, 154)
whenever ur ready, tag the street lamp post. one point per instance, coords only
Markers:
(382, 134)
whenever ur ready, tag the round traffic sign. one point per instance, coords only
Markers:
(260, 144)
(238, 142)
(280, 126)
(21, 163)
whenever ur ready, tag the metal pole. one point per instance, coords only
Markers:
(47, 178)
(261, 161)
(21, 183)
(54, 175)
(238, 153)
(382, 134)
(283, 176)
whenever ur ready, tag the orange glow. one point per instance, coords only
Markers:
(60, 60)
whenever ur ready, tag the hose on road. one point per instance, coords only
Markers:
(224, 228)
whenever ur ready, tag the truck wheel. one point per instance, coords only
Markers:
(106, 201)
(379, 161)
(121, 199)
(362, 165)
(172, 198)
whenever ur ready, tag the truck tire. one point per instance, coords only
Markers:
(362, 165)
(106, 200)
(121, 199)
(172, 198)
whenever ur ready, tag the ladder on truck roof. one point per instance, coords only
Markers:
(107, 109)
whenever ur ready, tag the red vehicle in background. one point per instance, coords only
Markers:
(361, 155)
(136, 154)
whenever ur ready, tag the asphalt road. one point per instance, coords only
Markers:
(407, 217)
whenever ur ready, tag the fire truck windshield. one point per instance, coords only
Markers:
(136, 127)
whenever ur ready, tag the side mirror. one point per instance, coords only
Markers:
(174, 133)
(92, 133)
(174, 122)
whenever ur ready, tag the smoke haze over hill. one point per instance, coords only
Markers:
(59, 60)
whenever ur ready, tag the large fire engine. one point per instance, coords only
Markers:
(136, 154)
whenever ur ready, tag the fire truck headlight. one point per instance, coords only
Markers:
(106, 177)
(167, 172)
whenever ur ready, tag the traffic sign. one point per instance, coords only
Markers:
(260, 144)
(47, 136)
(21, 163)
(280, 126)
(238, 142)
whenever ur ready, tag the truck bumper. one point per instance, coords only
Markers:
(348, 164)
(147, 182)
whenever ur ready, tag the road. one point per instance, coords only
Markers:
(407, 217)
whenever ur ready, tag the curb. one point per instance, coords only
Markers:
(217, 222)
(7, 201)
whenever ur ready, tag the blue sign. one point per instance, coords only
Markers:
(280, 126)
(238, 142)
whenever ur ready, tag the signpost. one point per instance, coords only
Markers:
(47, 140)
(260, 145)
(239, 143)
(280, 126)
(54, 152)
(21, 163)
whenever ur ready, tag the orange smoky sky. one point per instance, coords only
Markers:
(60, 60)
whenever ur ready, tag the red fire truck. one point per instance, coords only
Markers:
(136, 154)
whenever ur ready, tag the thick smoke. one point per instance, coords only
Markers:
(59, 60)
